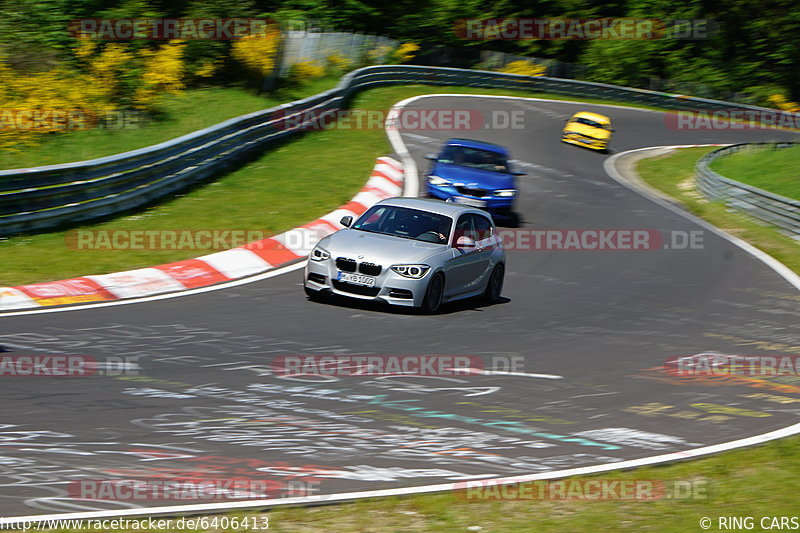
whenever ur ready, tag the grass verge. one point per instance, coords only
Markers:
(279, 190)
(673, 174)
(748, 166)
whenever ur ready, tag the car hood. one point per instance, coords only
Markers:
(474, 177)
(377, 248)
(589, 131)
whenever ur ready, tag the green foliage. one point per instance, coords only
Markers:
(753, 46)
(748, 167)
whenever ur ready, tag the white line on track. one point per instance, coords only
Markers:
(400, 148)
(781, 269)
(506, 373)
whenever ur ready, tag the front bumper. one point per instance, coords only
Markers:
(585, 142)
(389, 287)
(491, 203)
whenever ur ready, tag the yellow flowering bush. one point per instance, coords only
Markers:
(303, 71)
(103, 80)
(257, 52)
(206, 69)
(32, 105)
(163, 73)
(526, 68)
(405, 52)
(782, 103)
(336, 63)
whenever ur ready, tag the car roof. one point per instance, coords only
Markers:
(479, 145)
(431, 205)
(597, 117)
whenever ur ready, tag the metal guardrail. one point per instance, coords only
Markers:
(43, 198)
(764, 205)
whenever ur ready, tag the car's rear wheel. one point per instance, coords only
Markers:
(434, 295)
(495, 286)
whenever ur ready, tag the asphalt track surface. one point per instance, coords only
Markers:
(202, 404)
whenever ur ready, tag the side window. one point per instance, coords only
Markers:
(464, 228)
(449, 155)
(483, 227)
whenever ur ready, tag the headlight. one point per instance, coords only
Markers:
(437, 181)
(411, 271)
(319, 254)
(506, 193)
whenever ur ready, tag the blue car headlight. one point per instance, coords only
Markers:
(411, 271)
(319, 254)
(506, 193)
(436, 181)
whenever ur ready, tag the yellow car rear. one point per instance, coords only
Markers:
(590, 130)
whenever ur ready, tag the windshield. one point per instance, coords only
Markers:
(588, 122)
(474, 158)
(406, 223)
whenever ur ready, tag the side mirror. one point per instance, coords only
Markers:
(346, 221)
(432, 157)
(465, 243)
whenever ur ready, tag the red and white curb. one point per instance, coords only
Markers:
(386, 181)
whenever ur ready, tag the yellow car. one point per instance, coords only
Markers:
(590, 130)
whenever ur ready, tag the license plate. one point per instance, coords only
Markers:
(357, 279)
(469, 201)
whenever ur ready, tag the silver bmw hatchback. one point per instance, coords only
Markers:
(410, 251)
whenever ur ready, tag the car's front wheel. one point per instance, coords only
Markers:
(434, 295)
(495, 286)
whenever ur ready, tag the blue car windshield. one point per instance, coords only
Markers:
(474, 158)
(405, 222)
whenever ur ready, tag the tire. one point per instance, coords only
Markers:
(495, 285)
(514, 220)
(433, 295)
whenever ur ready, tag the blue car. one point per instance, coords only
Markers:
(474, 173)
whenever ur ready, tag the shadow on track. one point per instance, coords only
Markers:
(467, 304)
